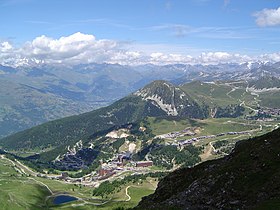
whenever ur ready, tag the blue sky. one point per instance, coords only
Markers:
(181, 27)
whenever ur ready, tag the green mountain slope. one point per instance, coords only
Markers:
(246, 179)
(68, 131)
(265, 82)
(173, 100)
(71, 129)
(23, 106)
(30, 96)
(216, 93)
(158, 99)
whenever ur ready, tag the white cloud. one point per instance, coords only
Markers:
(222, 57)
(274, 57)
(82, 48)
(127, 58)
(268, 17)
(74, 48)
(5, 47)
(160, 58)
(6, 53)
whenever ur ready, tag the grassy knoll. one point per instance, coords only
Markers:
(119, 199)
(208, 126)
(269, 99)
(136, 191)
(209, 93)
(19, 192)
(222, 125)
(166, 125)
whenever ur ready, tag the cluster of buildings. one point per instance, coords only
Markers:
(144, 164)
(70, 162)
(105, 172)
(270, 111)
(267, 114)
(120, 163)
(110, 169)
(192, 140)
(123, 158)
(173, 135)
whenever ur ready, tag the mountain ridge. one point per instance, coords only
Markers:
(160, 98)
(66, 91)
(72, 129)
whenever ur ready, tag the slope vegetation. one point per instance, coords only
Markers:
(248, 178)
(135, 107)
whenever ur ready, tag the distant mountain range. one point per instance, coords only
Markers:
(31, 96)
(248, 178)
(160, 98)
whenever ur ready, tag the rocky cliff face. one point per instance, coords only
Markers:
(248, 178)
(171, 100)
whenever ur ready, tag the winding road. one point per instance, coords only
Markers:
(126, 193)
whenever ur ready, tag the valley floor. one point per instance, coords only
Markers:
(23, 188)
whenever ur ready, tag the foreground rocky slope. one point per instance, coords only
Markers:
(246, 179)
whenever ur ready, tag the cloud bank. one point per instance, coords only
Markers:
(268, 17)
(82, 48)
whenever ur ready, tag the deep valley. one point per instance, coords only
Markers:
(113, 156)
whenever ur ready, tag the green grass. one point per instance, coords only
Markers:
(211, 94)
(208, 126)
(118, 199)
(211, 126)
(18, 192)
(222, 125)
(162, 125)
(270, 99)
(136, 193)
